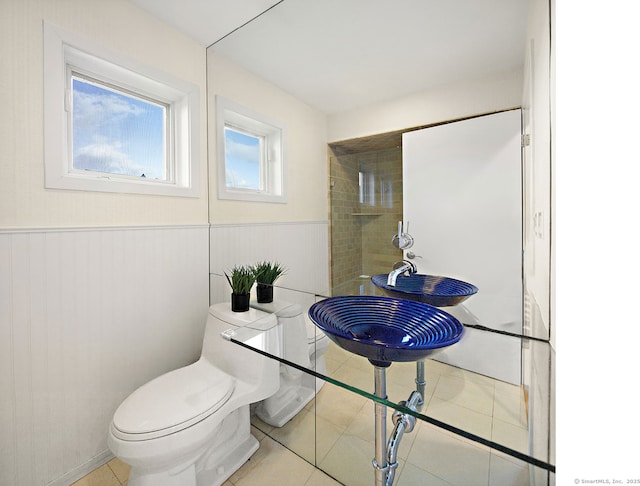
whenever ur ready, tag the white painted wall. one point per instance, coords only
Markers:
(87, 316)
(302, 247)
(498, 92)
(116, 25)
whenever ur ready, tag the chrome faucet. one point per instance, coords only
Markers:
(405, 267)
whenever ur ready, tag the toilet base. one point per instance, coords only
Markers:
(229, 465)
(284, 405)
(206, 477)
(231, 445)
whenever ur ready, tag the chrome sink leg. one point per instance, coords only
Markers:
(380, 461)
(385, 461)
(420, 382)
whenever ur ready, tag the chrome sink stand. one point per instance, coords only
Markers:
(420, 381)
(385, 461)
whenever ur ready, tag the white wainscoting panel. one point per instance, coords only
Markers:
(302, 247)
(86, 316)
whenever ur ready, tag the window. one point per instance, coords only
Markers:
(114, 125)
(244, 160)
(250, 155)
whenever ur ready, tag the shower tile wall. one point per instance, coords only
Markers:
(346, 235)
(366, 205)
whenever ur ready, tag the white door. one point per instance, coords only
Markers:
(462, 192)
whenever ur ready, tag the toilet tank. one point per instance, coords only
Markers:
(234, 359)
(293, 330)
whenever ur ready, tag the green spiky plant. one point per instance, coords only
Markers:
(241, 280)
(268, 272)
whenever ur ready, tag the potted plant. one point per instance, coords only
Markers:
(266, 274)
(241, 280)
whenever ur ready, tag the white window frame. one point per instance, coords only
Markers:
(231, 114)
(65, 52)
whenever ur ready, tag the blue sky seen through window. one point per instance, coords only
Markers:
(242, 159)
(117, 133)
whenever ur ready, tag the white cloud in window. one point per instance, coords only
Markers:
(241, 151)
(103, 108)
(106, 157)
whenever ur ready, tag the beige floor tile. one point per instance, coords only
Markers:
(460, 417)
(318, 478)
(298, 435)
(508, 472)
(450, 459)
(360, 363)
(412, 475)
(271, 465)
(327, 435)
(510, 435)
(363, 424)
(102, 476)
(509, 404)
(338, 406)
(256, 432)
(332, 365)
(361, 378)
(308, 435)
(469, 394)
(336, 353)
(120, 469)
(349, 461)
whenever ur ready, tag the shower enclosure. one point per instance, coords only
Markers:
(366, 205)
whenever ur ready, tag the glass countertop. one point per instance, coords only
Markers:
(470, 405)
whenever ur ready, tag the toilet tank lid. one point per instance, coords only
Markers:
(280, 308)
(172, 402)
(253, 318)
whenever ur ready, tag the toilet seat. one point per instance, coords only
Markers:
(172, 402)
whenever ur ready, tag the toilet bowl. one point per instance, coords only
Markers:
(190, 427)
(302, 344)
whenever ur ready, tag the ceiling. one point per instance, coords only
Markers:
(339, 55)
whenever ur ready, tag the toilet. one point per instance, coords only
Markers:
(190, 427)
(303, 344)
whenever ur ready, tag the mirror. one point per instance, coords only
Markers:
(256, 46)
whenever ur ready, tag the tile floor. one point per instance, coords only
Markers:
(265, 468)
(336, 431)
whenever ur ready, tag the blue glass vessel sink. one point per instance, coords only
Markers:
(430, 289)
(385, 329)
